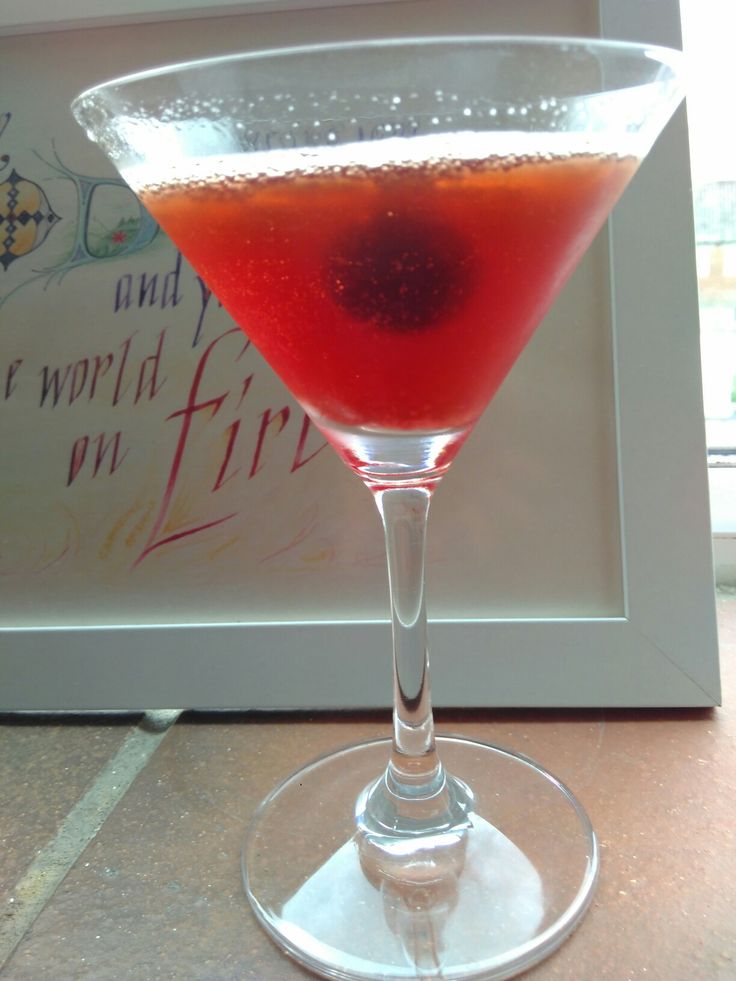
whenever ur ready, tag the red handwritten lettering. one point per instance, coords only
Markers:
(105, 447)
(232, 434)
(193, 406)
(267, 420)
(79, 452)
(299, 459)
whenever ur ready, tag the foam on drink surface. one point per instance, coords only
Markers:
(435, 153)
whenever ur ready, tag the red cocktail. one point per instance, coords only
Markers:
(393, 297)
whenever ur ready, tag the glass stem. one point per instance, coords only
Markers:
(414, 768)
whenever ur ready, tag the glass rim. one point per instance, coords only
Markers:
(672, 57)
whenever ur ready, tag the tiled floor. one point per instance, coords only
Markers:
(156, 892)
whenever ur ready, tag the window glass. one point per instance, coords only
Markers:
(709, 27)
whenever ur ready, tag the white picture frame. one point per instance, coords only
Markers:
(658, 649)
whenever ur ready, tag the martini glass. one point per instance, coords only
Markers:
(389, 221)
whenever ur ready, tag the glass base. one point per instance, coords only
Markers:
(488, 901)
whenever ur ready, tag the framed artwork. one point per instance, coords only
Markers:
(174, 531)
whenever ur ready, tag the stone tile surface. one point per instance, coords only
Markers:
(45, 766)
(158, 894)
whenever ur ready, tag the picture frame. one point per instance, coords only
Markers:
(646, 637)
